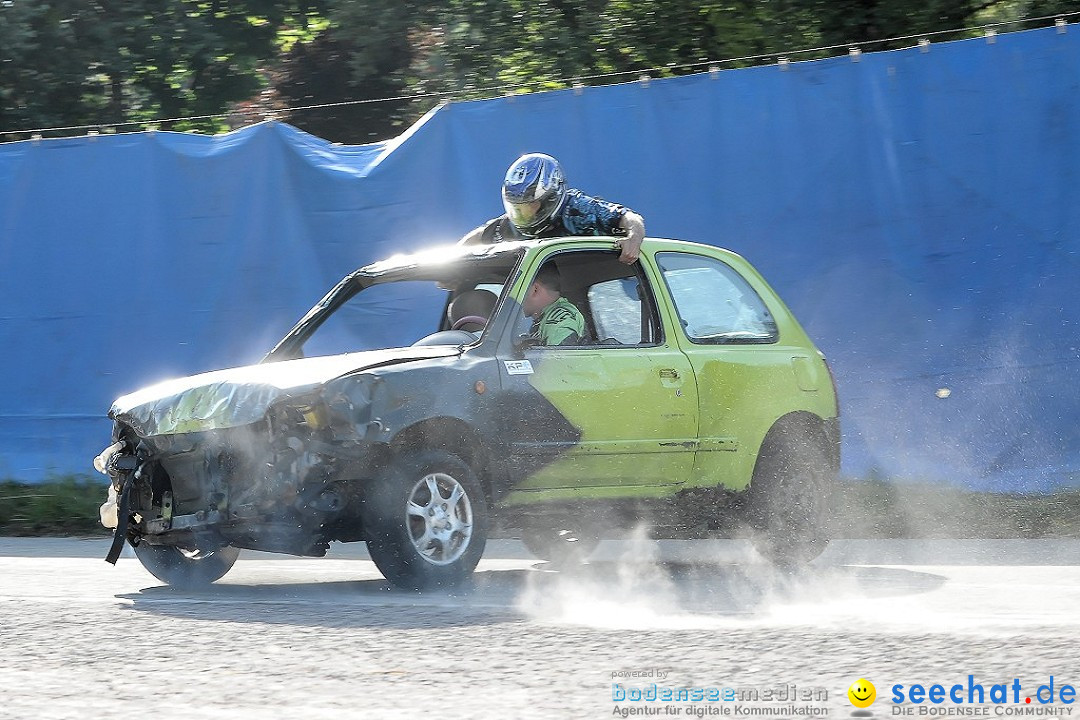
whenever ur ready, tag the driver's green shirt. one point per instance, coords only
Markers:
(561, 323)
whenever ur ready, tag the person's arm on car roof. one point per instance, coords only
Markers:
(634, 225)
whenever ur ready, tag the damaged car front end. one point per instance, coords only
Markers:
(272, 457)
(260, 460)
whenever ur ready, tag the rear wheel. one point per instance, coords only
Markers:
(790, 497)
(186, 568)
(426, 518)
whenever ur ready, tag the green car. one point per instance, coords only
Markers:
(683, 394)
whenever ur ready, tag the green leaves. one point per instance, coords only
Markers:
(75, 62)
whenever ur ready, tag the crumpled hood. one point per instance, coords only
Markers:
(242, 395)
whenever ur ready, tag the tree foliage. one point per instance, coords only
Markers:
(486, 48)
(82, 62)
(76, 62)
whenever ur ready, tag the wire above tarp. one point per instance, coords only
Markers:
(916, 209)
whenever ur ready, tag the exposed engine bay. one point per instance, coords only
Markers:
(279, 485)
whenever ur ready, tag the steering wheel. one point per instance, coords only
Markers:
(481, 321)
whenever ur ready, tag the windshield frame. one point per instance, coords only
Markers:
(444, 264)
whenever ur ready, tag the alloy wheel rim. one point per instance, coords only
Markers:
(439, 518)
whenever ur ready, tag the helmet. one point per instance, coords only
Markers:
(534, 192)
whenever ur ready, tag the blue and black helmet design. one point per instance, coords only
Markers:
(534, 192)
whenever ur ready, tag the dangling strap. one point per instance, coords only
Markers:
(123, 516)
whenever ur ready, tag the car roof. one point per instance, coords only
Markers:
(442, 255)
(449, 254)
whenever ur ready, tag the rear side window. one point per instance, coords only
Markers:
(620, 313)
(715, 304)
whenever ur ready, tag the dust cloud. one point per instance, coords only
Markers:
(642, 584)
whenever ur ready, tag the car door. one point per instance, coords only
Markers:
(627, 394)
(746, 376)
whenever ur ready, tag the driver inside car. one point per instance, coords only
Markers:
(556, 320)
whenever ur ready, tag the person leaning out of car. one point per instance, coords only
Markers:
(539, 205)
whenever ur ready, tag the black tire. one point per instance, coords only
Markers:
(790, 498)
(437, 543)
(186, 569)
(559, 546)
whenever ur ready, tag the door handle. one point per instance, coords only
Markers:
(669, 373)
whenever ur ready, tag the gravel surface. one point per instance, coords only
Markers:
(327, 638)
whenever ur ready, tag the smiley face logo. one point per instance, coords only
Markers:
(862, 693)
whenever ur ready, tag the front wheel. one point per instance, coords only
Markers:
(186, 568)
(426, 519)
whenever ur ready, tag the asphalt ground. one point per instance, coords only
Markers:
(283, 637)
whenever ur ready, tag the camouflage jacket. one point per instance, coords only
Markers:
(561, 323)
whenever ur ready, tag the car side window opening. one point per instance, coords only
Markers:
(614, 301)
(714, 303)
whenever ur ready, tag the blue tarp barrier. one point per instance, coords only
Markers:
(916, 208)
